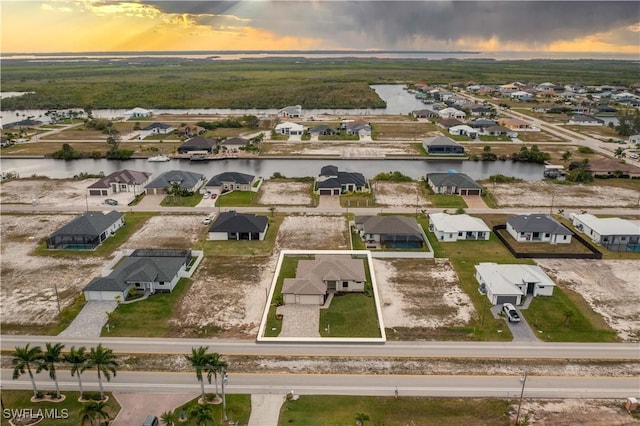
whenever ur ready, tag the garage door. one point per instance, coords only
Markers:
(326, 192)
(507, 299)
(308, 299)
(473, 192)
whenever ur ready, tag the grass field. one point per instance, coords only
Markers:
(178, 201)
(238, 408)
(237, 199)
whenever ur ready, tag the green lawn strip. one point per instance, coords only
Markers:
(17, 400)
(287, 270)
(179, 201)
(133, 221)
(65, 318)
(447, 201)
(338, 410)
(574, 246)
(147, 318)
(564, 318)
(238, 407)
(243, 247)
(237, 199)
(357, 199)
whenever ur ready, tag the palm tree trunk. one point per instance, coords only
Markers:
(202, 386)
(100, 383)
(215, 377)
(80, 385)
(33, 383)
(55, 380)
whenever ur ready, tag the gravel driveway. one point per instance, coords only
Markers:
(90, 320)
(300, 320)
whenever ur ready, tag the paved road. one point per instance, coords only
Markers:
(390, 349)
(335, 384)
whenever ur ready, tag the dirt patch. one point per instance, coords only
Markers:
(28, 292)
(327, 232)
(421, 293)
(401, 194)
(541, 194)
(342, 149)
(285, 193)
(575, 411)
(610, 287)
(167, 231)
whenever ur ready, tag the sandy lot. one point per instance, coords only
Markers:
(400, 194)
(313, 232)
(540, 194)
(28, 293)
(421, 293)
(285, 193)
(576, 411)
(167, 231)
(342, 149)
(609, 286)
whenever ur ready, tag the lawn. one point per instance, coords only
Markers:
(574, 246)
(178, 201)
(357, 199)
(410, 130)
(312, 410)
(287, 270)
(147, 318)
(238, 409)
(350, 315)
(237, 199)
(447, 201)
(69, 410)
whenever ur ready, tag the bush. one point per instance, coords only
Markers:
(503, 179)
(393, 177)
(585, 150)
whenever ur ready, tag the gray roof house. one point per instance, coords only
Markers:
(294, 111)
(510, 283)
(394, 232)
(323, 129)
(199, 143)
(453, 183)
(442, 145)
(326, 274)
(149, 271)
(361, 129)
(235, 142)
(230, 181)
(333, 182)
(237, 226)
(538, 228)
(188, 181)
(120, 181)
(86, 232)
(585, 120)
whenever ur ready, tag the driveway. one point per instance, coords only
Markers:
(90, 320)
(137, 406)
(300, 320)
(265, 409)
(521, 331)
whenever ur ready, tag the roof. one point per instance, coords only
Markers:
(496, 128)
(90, 223)
(162, 126)
(186, 180)
(199, 142)
(585, 118)
(293, 109)
(459, 180)
(457, 223)
(502, 279)
(609, 225)
(235, 177)
(130, 177)
(330, 177)
(322, 128)
(449, 122)
(312, 274)
(610, 165)
(440, 141)
(238, 222)
(389, 225)
(537, 223)
(235, 141)
(289, 125)
(137, 110)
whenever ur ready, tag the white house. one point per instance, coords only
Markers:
(448, 227)
(634, 139)
(294, 111)
(509, 283)
(537, 228)
(464, 130)
(155, 129)
(585, 120)
(137, 113)
(452, 113)
(613, 233)
(521, 95)
(289, 128)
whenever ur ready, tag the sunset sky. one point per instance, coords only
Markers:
(137, 25)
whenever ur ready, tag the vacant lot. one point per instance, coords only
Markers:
(340, 149)
(610, 287)
(314, 232)
(168, 231)
(403, 194)
(49, 192)
(285, 193)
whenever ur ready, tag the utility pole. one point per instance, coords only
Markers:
(524, 382)
(55, 288)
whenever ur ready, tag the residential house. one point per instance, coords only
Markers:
(537, 228)
(155, 129)
(500, 131)
(521, 95)
(481, 123)
(361, 129)
(137, 113)
(326, 274)
(187, 181)
(234, 143)
(634, 139)
(289, 128)
(585, 120)
(86, 232)
(294, 111)
(390, 232)
(190, 131)
(612, 233)
(334, 182)
(198, 144)
(148, 271)
(509, 283)
(580, 109)
(510, 87)
(464, 130)
(425, 113)
(121, 181)
(230, 181)
(237, 226)
(515, 124)
(453, 183)
(447, 123)
(447, 227)
(452, 113)
(323, 130)
(480, 110)
(613, 168)
(442, 145)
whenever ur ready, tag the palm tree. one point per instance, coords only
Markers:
(78, 359)
(199, 359)
(103, 359)
(51, 355)
(169, 418)
(215, 364)
(23, 359)
(202, 414)
(94, 411)
(361, 418)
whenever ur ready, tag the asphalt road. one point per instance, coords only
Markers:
(625, 351)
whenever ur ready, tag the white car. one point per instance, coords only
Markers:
(511, 312)
(207, 220)
(206, 195)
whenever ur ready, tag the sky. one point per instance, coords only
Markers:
(30, 26)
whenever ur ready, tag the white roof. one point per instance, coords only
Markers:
(463, 127)
(137, 110)
(521, 93)
(290, 125)
(502, 279)
(450, 110)
(455, 223)
(609, 225)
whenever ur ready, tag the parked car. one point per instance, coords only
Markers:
(206, 195)
(214, 196)
(511, 312)
(150, 421)
(111, 202)
(207, 220)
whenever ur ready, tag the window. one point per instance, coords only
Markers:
(460, 234)
(123, 186)
(345, 284)
(564, 237)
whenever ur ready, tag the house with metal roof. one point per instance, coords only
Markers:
(448, 227)
(510, 283)
(453, 183)
(120, 181)
(187, 181)
(318, 278)
(149, 271)
(442, 145)
(529, 228)
(230, 181)
(86, 232)
(613, 233)
(237, 226)
(390, 232)
(294, 111)
(334, 182)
